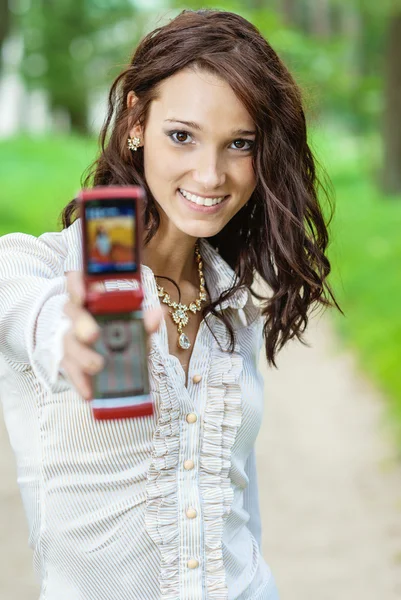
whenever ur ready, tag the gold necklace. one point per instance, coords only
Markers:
(179, 312)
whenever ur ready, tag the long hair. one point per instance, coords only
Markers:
(280, 236)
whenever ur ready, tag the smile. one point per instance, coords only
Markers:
(200, 200)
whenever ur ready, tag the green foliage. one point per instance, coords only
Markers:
(72, 50)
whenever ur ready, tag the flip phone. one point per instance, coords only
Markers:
(111, 218)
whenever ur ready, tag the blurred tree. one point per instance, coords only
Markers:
(257, 4)
(320, 15)
(392, 109)
(289, 11)
(67, 50)
(5, 25)
(71, 49)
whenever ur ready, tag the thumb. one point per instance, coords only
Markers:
(152, 319)
(76, 287)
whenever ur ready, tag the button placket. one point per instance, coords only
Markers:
(189, 492)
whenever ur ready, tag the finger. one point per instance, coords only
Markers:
(79, 380)
(76, 287)
(152, 319)
(84, 327)
(86, 330)
(72, 310)
(89, 361)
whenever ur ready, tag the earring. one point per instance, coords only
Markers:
(133, 143)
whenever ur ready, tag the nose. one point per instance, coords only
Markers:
(209, 171)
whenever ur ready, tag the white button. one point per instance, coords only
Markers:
(191, 418)
(189, 464)
(193, 563)
(196, 378)
(191, 513)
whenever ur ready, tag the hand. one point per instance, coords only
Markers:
(80, 361)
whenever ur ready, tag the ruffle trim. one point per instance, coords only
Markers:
(222, 418)
(161, 516)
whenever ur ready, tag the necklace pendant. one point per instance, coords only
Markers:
(180, 316)
(179, 312)
(183, 341)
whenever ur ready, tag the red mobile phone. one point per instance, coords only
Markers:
(111, 218)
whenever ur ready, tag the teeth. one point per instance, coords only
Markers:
(201, 201)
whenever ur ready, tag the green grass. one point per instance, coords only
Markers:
(40, 176)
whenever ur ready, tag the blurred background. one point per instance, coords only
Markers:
(58, 60)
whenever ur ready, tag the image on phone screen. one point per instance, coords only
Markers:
(110, 237)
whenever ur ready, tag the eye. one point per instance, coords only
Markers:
(241, 144)
(180, 137)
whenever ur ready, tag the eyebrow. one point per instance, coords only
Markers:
(197, 127)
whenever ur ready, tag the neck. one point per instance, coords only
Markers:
(172, 256)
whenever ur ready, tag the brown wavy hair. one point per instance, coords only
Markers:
(281, 234)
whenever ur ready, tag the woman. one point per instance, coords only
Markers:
(209, 120)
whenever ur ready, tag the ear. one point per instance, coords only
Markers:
(136, 130)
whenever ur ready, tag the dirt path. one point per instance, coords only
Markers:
(330, 487)
(17, 580)
(330, 483)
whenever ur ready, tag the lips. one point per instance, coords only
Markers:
(201, 200)
(203, 208)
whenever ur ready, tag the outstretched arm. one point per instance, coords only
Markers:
(32, 296)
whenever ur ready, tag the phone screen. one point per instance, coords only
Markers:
(110, 237)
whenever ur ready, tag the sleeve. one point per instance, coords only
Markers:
(32, 297)
(251, 498)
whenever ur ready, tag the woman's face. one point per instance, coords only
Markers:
(198, 147)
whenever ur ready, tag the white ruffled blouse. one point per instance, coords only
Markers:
(113, 513)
